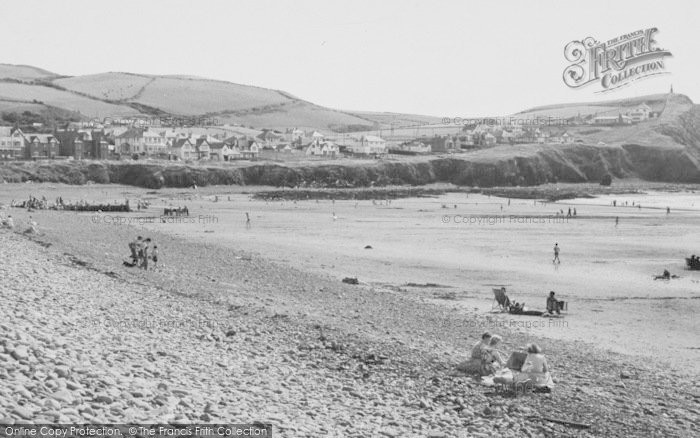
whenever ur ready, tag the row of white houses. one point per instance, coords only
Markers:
(183, 146)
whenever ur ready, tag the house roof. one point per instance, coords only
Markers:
(131, 133)
(6, 131)
(180, 142)
(269, 135)
(41, 138)
(372, 138)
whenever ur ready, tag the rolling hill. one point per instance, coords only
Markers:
(115, 94)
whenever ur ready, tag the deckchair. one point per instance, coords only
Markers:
(500, 300)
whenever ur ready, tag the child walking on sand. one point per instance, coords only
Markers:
(556, 254)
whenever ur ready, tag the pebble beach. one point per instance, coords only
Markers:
(221, 333)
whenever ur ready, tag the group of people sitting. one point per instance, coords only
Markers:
(179, 211)
(693, 262)
(553, 306)
(488, 361)
(141, 252)
(33, 203)
(9, 223)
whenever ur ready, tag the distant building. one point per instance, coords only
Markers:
(154, 143)
(411, 147)
(130, 141)
(440, 143)
(269, 139)
(367, 145)
(489, 139)
(183, 149)
(620, 119)
(640, 114)
(322, 148)
(41, 146)
(219, 151)
(12, 143)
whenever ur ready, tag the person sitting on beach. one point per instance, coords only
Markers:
(665, 276)
(9, 222)
(491, 359)
(33, 227)
(473, 364)
(535, 369)
(519, 309)
(552, 303)
(516, 308)
(479, 346)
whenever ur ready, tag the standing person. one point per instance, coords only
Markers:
(134, 248)
(617, 220)
(247, 220)
(668, 210)
(154, 257)
(556, 254)
(144, 253)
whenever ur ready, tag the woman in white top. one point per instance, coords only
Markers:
(535, 369)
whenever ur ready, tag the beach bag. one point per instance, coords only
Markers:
(503, 376)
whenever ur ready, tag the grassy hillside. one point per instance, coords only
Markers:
(22, 93)
(118, 94)
(106, 86)
(657, 102)
(23, 72)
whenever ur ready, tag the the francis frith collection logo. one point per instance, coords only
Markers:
(616, 62)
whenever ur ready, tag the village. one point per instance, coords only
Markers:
(228, 143)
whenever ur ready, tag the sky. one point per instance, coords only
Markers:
(441, 58)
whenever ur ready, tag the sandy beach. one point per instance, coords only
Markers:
(316, 357)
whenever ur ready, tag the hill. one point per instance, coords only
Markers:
(23, 72)
(119, 94)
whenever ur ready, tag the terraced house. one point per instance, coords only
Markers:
(41, 146)
(11, 143)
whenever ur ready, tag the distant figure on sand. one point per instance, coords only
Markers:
(9, 222)
(668, 210)
(154, 257)
(33, 227)
(335, 217)
(556, 254)
(617, 220)
(247, 220)
(144, 253)
(135, 248)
